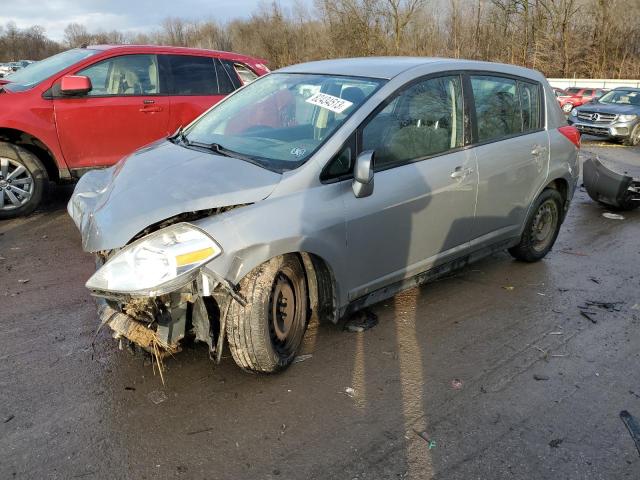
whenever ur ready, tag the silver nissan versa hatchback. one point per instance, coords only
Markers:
(317, 190)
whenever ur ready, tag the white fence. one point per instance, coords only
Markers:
(593, 83)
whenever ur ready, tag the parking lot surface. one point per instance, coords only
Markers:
(490, 373)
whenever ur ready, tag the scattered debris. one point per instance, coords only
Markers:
(302, 358)
(573, 253)
(634, 394)
(541, 294)
(204, 430)
(44, 237)
(509, 287)
(588, 316)
(2, 258)
(613, 216)
(423, 435)
(283, 428)
(361, 321)
(636, 307)
(556, 333)
(594, 280)
(540, 377)
(350, 392)
(23, 280)
(555, 443)
(157, 396)
(456, 384)
(133, 389)
(633, 427)
(609, 306)
(9, 418)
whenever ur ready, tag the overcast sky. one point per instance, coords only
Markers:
(124, 15)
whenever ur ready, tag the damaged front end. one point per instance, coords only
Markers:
(609, 188)
(153, 293)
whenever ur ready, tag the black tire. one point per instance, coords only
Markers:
(634, 137)
(536, 243)
(17, 156)
(265, 335)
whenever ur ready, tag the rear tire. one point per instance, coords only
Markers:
(542, 227)
(265, 335)
(23, 181)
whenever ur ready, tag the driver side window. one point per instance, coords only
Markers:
(425, 119)
(124, 75)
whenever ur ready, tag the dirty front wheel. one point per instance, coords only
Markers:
(23, 181)
(265, 335)
(542, 228)
(634, 137)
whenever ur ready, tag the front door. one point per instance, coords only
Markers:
(421, 211)
(121, 113)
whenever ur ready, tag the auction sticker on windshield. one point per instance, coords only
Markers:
(324, 100)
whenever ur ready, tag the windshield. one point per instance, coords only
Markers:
(573, 90)
(279, 120)
(39, 71)
(621, 97)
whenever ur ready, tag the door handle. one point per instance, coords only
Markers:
(460, 173)
(151, 109)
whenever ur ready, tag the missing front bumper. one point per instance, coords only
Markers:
(610, 188)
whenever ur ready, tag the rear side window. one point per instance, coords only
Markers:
(227, 78)
(192, 75)
(505, 107)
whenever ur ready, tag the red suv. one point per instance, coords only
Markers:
(576, 96)
(88, 107)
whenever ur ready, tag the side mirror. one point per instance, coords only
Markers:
(75, 85)
(362, 184)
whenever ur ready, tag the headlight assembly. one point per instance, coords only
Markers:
(157, 263)
(574, 112)
(627, 118)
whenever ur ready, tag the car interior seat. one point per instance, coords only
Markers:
(426, 130)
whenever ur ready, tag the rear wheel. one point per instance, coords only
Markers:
(634, 137)
(23, 181)
(542, 228)
(265, 335)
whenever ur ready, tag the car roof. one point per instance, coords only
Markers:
(175, 50)
(628, 89)
(389, 67)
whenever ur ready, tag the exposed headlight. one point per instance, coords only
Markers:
(627, 118)
(156, 264)
(574, 112)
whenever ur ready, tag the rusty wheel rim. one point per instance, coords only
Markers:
(544, 225)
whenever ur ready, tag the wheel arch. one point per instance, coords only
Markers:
(34, 145)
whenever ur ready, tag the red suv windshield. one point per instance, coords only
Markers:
(37, 72)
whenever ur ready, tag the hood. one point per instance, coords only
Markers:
(612, 108)
(157, 182)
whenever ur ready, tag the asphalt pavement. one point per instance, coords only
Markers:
(490, 373)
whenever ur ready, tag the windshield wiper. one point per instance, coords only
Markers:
(219, 149)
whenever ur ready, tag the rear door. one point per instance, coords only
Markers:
(195, 83)
(124, 111)
(512, 153)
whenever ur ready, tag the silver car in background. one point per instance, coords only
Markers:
(317, 190)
